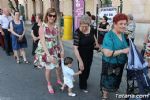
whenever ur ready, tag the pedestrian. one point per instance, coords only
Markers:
(130, 32)
(89, 14)
(19, 42)
(115, 50)
(68, 74)
(84, 43)
(1, 11)
(49, 47)
(1, 36)
(4, 21)
(93, 22)
(33, 20)
(103, 28)
(35, 32)
(62, 23)
(147, 47)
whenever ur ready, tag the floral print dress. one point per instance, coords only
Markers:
(52, 44)
(147, 48)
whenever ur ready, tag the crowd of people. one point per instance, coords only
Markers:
(48, 49)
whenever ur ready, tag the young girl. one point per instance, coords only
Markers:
(68, 75)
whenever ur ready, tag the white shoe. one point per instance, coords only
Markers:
(71, 94)
(85, 91)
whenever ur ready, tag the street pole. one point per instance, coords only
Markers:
(121, 5)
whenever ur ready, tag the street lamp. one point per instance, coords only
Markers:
(121, 5)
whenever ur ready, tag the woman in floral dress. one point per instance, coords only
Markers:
(49, 47)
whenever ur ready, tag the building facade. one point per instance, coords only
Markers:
(139, 8)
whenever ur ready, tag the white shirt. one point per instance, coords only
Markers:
(67, 72)
(4, 21)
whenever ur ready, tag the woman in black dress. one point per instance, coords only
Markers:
(103, 29)
(84, 43)
(35, 32)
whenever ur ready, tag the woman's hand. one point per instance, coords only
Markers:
(81, 65)
(35, 39)
(20, 37)
(125, 51)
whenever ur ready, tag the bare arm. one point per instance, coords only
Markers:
(81, 65)
(1, 30)
(77, 73)
(146, 38)
(96, 42)
(24, 29)
(42, 40)
(109, 53)
(104, 30)
(77, 53)
(61, 44)
(12, 30)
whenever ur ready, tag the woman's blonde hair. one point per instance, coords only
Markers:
(49, 10)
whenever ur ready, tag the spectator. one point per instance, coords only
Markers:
(62, 23)
(33, 19)
(103, 28)
(19, 42)
(93, 22)
(35, 32)
(4, 21)
(130, 33)
(147, 47)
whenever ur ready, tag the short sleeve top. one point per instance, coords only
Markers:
(35, 29)
(83, 40)
(112, 42)
(67, 72)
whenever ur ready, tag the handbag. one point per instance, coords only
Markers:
(23, 40)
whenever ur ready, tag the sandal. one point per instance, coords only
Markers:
(18, 61)
(50, 89)
(104, 98)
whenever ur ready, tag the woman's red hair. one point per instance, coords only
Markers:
(119, 17)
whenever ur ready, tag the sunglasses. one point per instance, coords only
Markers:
(54, 16)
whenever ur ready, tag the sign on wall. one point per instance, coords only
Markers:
(110, 12)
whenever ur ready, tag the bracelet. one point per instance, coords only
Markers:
(113, 53)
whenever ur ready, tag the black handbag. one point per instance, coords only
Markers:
(23, 40)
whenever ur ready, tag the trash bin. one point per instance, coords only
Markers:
(67, 28)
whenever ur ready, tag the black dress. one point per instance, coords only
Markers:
(35, 29)
(85, 45)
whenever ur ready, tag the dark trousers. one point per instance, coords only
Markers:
(7, 41)
(87, 58)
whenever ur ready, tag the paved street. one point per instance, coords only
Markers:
(23, 82)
